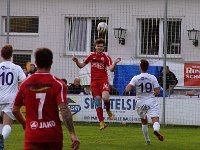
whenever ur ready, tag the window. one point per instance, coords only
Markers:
(81, 33)
(22, 25)
(21, 59)
(150, 39)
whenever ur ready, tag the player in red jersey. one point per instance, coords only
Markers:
(99, 78)
(43, 95)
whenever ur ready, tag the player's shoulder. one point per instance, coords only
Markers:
(151, 76)
(92, 54)
(57, 80)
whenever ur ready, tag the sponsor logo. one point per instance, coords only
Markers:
(34, 124)
(105, 86)
(42, 125)
(48, 124)
(40, 89)
(4, 67)
(73, 107)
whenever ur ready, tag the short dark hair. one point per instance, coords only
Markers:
(43, 57)
(144, 65)
(64, 80)
(6, 51)
(99, 41)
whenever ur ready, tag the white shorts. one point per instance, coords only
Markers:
(7, 108)
(147, 108)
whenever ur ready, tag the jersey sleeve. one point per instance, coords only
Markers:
(19, 99)
(87, 59)
(62, 94)
(155, 82)
(133, 81)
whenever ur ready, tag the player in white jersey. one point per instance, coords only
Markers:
(10, 77)
(147, 106)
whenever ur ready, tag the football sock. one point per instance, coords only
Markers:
(145, 132)
(99, 111)
(6, 131)
(156, 126)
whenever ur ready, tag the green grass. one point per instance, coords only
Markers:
(119, 137)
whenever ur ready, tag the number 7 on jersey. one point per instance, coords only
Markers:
(41, 97)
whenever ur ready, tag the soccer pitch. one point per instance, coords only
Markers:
(119, 137)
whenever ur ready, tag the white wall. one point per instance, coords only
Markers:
(121, 13)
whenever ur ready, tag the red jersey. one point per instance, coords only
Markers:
(99, 64)
(41, 94)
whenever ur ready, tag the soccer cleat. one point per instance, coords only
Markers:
(148, 142)
(1, 142)
(159, 136)
(110, 115)
(102, 125)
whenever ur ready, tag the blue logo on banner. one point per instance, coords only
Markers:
(74, 108)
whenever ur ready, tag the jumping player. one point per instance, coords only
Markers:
(99, 78)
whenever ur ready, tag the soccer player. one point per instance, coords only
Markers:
(43, 95)
(99, 78)
(10, 77)
(147, 106)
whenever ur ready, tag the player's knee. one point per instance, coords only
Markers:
(97, 101)
(156, 126)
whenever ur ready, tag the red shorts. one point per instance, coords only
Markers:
(43, 146)
(98, 86)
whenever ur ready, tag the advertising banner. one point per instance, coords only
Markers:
(191, 74)
(83, 109)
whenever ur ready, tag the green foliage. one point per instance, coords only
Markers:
(119, 137)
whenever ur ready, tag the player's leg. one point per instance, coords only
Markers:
(105, 97)
(7, 122)
(145, 130)
(1, 121)
(156, 127)
(154, 114)
(96, 93)
(99, 111)
(8, 118)
(144, 121)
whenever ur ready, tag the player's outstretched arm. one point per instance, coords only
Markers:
(113, 66)
(67, 120)
(78, 63)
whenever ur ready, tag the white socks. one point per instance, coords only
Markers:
(156, 126)
(145, 132)
(6, 131)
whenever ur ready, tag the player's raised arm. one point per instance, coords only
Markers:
(68, 122)
(113, 66)
(78, 63)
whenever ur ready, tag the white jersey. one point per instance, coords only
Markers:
(145, 84)
(10, 74)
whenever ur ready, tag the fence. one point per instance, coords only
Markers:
(69, 28)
